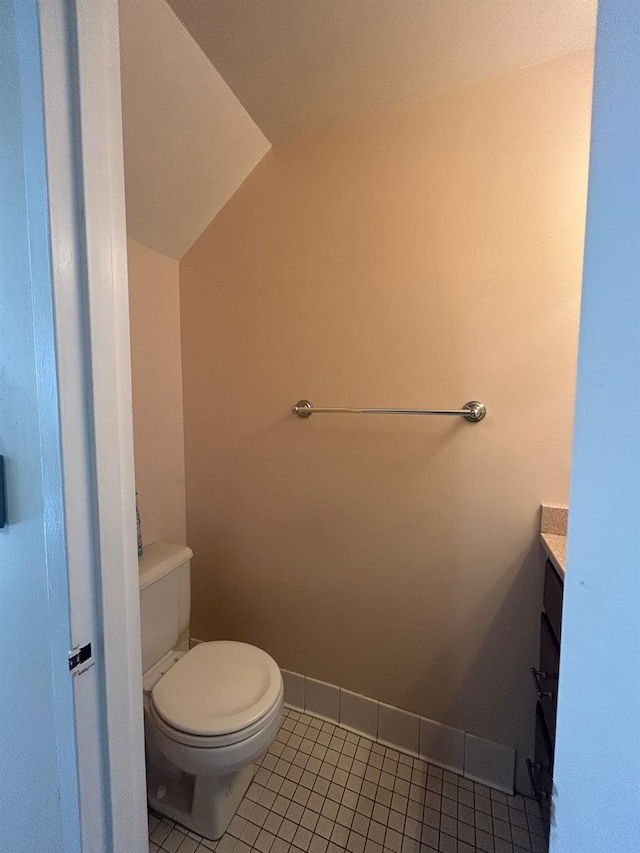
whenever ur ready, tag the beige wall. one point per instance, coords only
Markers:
(425, 258)
(156, 368)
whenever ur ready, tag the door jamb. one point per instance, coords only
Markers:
(88, 150)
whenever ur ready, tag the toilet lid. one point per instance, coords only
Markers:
(218, 688)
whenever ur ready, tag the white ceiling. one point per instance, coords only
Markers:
(188, 141)
(298, 65)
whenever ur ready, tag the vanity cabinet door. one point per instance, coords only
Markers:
(547, 676)
(546, 685)
(542, 769)
(553, 590)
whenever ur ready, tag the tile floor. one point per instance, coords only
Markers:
(323, 789)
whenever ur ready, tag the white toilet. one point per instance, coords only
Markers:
(209, 712)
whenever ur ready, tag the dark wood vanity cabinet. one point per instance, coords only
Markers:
(545, 677)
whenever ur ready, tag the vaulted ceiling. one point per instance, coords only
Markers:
(188, 142)
(299, 65)
(208, 85)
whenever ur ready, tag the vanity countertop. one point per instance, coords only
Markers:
(553, 535)
(555, 544)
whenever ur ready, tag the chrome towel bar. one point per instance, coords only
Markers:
(473, 411)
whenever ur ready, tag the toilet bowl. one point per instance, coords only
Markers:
(209, 714)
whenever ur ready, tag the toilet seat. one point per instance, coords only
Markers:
(217, 694)
(230, 739)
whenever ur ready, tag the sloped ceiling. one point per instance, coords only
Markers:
(188, 142)
(298, 65)
(207, 83)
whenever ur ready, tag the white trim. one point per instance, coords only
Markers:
(73, 381)
(108, 309)
(84, 147)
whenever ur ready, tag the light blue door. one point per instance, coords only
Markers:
(597, 759)
(38, 769)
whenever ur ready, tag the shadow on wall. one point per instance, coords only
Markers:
(309, 578)
(487, 661)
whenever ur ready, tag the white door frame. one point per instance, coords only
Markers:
(81, 85)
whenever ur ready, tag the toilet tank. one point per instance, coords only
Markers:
(165, 599)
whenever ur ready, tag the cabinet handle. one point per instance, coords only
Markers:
(532, 779)
(538, 795)
(542, 674)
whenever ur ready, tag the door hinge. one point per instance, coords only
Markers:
(80, 659)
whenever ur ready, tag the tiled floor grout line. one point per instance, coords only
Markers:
(324, 789)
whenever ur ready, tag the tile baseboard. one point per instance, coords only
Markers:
(321, 699)
(359, 714)
(477, 759)
(485, 762)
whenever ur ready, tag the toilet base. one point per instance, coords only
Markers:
(204, 804)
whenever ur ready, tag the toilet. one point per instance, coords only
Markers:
(210, 712)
